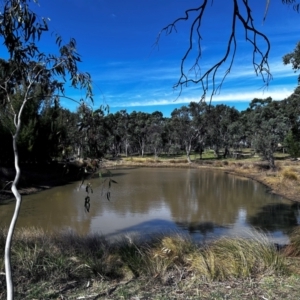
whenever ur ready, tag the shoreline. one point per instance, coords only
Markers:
(273, 181)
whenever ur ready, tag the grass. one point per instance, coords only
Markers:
(49, 265)
(239, 258)
(289, 174)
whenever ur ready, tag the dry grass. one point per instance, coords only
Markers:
(290, 174)
(293, 249)
(238, 258)
(177, 161)
(43, 262)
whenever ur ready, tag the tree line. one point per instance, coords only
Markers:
(51, 132)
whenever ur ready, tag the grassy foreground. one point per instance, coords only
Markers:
(68, 266)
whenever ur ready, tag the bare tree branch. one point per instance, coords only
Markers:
(211, 78)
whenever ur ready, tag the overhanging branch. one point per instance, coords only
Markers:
(208, 79)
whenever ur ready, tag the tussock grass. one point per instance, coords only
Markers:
(238, 258)
(290, 174)
(293, 248)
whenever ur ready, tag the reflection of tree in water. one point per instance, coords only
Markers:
(204, 196)
(204, 228)
(273, 217)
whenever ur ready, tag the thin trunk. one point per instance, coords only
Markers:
(226, 152)
(272, 163)
(7, 251)
(7, 255)
(188, 151)
(126, 147)
(216, 152)
(143, 148)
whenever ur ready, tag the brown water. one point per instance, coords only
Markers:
(207, 204)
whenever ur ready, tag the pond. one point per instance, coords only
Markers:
(204, 203)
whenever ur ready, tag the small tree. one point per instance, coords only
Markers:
(27, 67)
(292, 144)
(269, 126)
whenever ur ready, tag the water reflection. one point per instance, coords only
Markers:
(276, 216)
(205, 204)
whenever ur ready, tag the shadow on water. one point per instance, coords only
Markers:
(112, 172)
(203, 228)
(147, 228)
(158, 227)
(277, 216)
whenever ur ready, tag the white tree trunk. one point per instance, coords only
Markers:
(7, 254)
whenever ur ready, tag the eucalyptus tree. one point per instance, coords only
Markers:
(171, 143)
(114, 136)
(186, 127)
(269, 127)
(27, 67)
(94, 132)
(291, 108)
(292, 144)
(122, 130)
(57, 132)
(293, 58)
(199, 115)
(138, 128)
(221, 127)
(155, 132)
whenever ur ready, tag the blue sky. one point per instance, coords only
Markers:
(115, 39)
